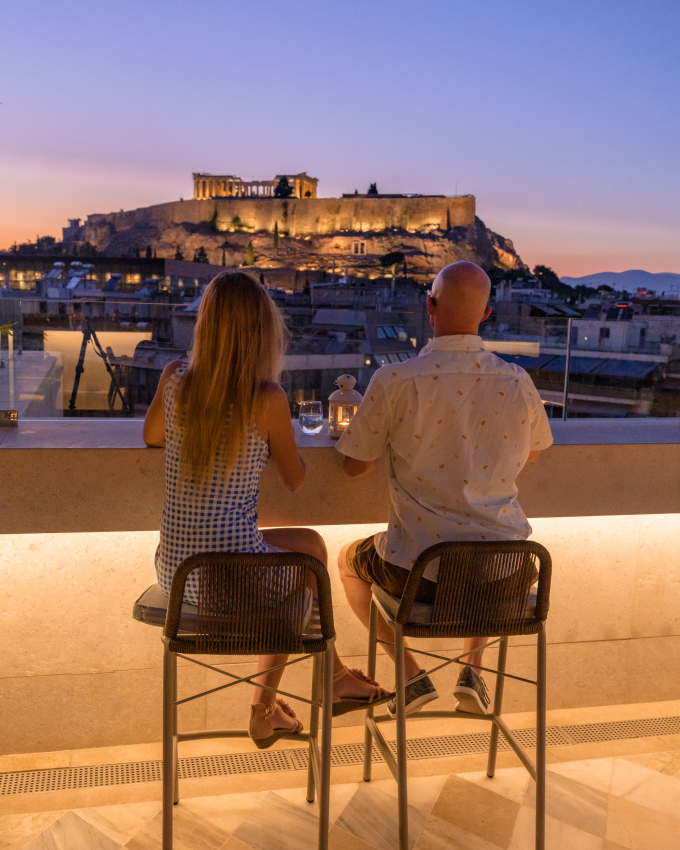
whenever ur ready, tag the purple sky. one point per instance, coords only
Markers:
(562, 118)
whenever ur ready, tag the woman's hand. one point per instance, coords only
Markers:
(154, 421)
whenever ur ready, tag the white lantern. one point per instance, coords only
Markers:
(342, 405)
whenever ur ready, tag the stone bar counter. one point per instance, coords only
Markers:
(79, 516)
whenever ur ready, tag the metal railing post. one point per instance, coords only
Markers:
(565, 393)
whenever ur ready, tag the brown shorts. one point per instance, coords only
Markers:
(366, 564)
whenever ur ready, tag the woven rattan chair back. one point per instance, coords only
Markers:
(483, 589)
(250, 604)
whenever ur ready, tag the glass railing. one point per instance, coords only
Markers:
(97, 356)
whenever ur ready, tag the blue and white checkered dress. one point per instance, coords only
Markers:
(217, 516)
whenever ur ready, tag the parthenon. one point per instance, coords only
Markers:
(208, 186)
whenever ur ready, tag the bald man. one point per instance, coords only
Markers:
(455, 425)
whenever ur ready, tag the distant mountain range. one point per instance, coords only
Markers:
(630, 281)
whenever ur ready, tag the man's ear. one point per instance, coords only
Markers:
(487, 312)
(431, 304)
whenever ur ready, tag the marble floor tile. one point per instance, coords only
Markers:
(339, 839)
(71, 832)
(667, 763)
(636, 827)
(16, 830)
(340, 797)
(276, 824)
(477, 810)
(189, 833)
(627, 776)
(227, 811)
(33, 761)
(510, 782)
(595, 773)
(574, 803)
(608, 749)
(422, 791)
(648, 788)
(372, 816)
(44, 801)
(440, 835)
(234, 844)
(120, 822)
(558, 834)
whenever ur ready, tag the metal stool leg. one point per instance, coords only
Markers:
(326, 733)
(169, 713)
(497, 706)
(372, 651)
(175, 754)
(400, 684)
(540, 739)
(314, 722)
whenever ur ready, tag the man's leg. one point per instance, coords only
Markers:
(475, 646)
(358, 594)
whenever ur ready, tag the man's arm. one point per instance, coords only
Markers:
(533, 457)
(356, 468)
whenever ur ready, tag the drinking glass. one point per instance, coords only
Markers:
(311, 417)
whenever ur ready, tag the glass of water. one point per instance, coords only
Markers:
(311, 417)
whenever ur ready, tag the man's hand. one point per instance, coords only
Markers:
(356, 468)
(533, 457)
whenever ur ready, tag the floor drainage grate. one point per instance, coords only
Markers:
(440, 746)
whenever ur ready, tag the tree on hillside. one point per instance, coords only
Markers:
(283, 189)
(213, 221)
(548, 278)
(276, 236)
(250, 255)
(178, 254)
(148, 254)
(394, 258)
(200, 256)
(372, 189)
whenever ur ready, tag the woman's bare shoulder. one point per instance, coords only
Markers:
(273, 394)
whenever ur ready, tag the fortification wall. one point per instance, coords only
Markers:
(306, 216)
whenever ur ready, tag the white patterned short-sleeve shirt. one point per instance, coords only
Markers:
(457, 424)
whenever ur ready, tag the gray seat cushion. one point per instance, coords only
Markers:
(421, 612)
(152, 606)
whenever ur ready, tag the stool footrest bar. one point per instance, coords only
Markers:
(516, 746)
(382, 745)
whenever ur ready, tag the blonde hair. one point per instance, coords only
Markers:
(239, 342)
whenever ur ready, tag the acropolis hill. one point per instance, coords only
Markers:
(302, 231)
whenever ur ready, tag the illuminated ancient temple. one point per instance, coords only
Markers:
(208, 186)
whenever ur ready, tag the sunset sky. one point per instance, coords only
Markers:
(562, 118)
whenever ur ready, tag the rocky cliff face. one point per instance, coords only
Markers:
(359, 252)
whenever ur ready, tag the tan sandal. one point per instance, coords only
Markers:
(378, 695)
(261, 730)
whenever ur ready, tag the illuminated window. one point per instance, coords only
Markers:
(358, 247)
(133, 278)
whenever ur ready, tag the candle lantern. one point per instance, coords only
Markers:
(342, 405)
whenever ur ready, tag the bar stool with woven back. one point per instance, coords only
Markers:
(483, 590)
(248, 604)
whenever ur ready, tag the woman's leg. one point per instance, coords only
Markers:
(311, 543)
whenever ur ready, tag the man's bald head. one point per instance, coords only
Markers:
(460, 294)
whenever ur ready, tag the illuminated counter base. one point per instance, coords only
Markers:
(79, 536)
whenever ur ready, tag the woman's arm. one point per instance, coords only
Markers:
(154, 421)
(282, 447)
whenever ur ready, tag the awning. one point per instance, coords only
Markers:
(577, 365)
(626, 368)
(527, 362)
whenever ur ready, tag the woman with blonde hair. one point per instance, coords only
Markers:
(221, 417)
